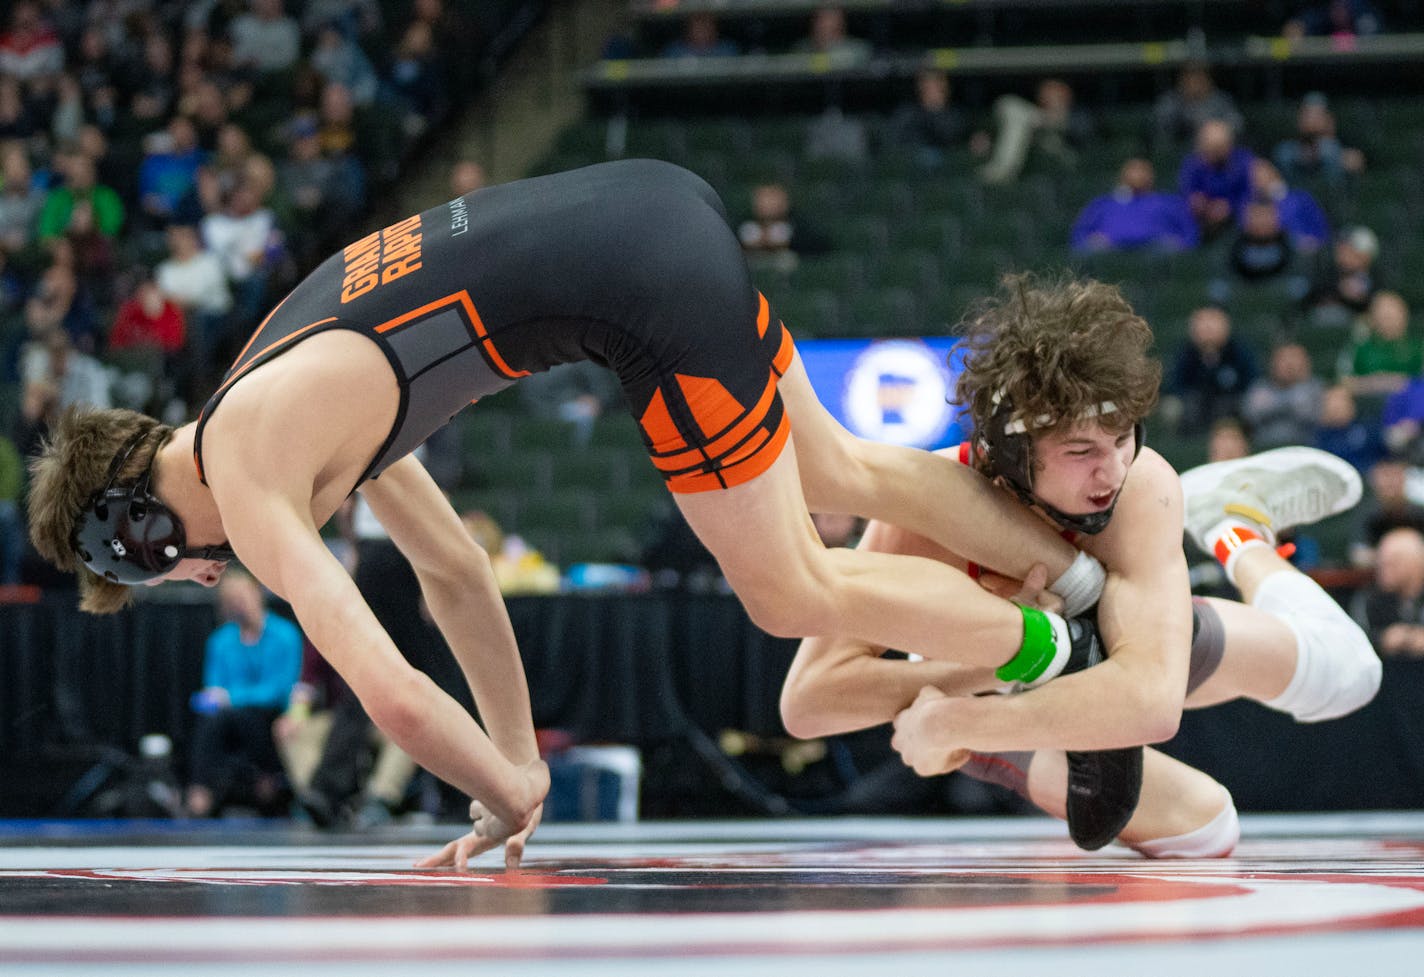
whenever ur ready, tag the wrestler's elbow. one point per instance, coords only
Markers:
(1156, 715)
(398, 705)
(798, 712)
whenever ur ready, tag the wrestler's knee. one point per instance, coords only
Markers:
(790, 602)
(1337, 671)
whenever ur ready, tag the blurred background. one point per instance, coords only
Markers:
(1251, 173)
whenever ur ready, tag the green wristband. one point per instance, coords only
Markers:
(1035, 654)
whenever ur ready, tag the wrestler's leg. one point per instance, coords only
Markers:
(1289, 645)
(761, 534)
(926, 493)
(1182, 812)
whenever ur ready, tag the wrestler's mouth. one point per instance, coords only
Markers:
(1102, 500)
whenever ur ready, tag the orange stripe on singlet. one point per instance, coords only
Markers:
(658, 424)
(726, 442)
(763, 315)
(762, 458)
(461, 297)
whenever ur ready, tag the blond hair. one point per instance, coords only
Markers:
(71, 466)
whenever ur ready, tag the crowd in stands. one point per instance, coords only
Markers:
(168, 169)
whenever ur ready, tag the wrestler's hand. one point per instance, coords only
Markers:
(1032, 591)
(920, 735)
(490, 830)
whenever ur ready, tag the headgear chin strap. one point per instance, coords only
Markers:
(1007, 448)
(127, 536)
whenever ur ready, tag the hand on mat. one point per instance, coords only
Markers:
(919, 735)
(490, 830)
(1032, 591)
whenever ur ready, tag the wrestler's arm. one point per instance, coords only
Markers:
(464, 599)
(838, 684)
(1133, 697)
(268, 522)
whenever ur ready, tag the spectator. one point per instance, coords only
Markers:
(88, 253)
(355, 18)
(194, 279)
(828, 36)
(416, 78)
(1284, 407)
(340, 59)
(54, 375)
(80, 184)
(1301, 217)
(1345, 285)
(1338, 19)
(1179, 113)
(1391, 503)
(207, 105)
(1210, 373)
(1227, 440)
(1262, 255)
(1051, 124)
(1389, 356)
(58, 303)
(466, 176)
(1343, 434)
(225, 168)
(265, 39)
(1216, 178)
(96, 72)
(31, 48)
(929, 126)
(250, 664)
(775, 235)
(575, 393)
(17, 120)
(168, 176)
(700, 39)
(20, 200)
(67, 111)
(1390, 609)
(240, 236)
(155, 92)
(337, 113)
(1402, 421)
(1316, 151)
(12, 527)
(148, 319)
(303, 734)
(518, 567)
(326, 193)
(1135, 216)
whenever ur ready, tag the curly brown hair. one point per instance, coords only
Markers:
(70, 468)
(1057, 349)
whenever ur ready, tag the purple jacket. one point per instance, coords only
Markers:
(1232, 181)
(1134, 221)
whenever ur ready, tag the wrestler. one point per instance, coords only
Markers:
(1057, 380)
(631, 265)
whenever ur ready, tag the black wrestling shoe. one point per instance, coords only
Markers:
(1103, 785)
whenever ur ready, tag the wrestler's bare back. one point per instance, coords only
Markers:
(306, 423)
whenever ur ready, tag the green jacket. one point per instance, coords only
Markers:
(54, 216)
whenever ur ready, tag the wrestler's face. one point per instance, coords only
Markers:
(205, 572)
(1080, 470)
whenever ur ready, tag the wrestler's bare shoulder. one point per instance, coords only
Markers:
(1148, 516)
(317, 414)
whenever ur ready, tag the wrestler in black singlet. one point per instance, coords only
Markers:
(630, 264)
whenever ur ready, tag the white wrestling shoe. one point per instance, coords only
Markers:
(1274, 490)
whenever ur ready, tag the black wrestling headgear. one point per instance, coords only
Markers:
(1007, 448)
(127, 536)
